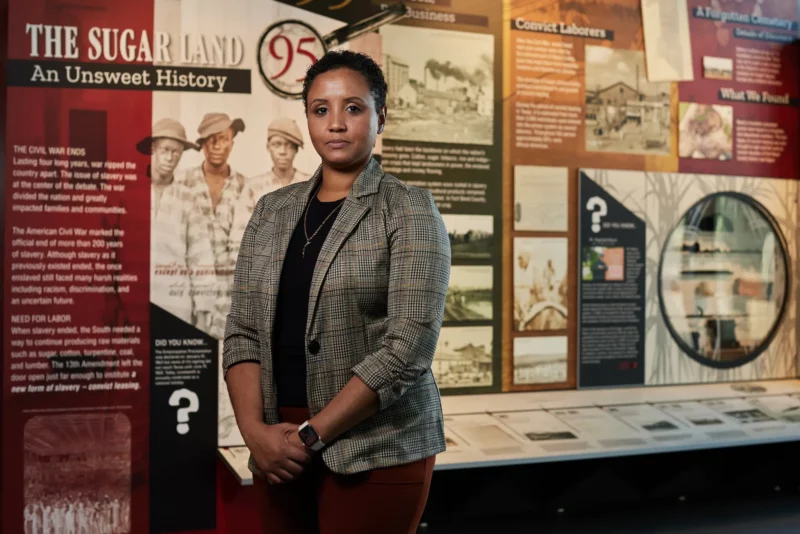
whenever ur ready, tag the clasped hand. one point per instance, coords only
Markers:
(278, 451)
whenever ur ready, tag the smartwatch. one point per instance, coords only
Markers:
(309, 437)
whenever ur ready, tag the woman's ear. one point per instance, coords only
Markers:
(381, 119)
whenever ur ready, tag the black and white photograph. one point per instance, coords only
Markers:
(441, 85)
(645, 417)
(659, 426)
(747, 417)
(537, 426)
(625, 113)
(705, 421)
(783, 407)
(469, 296)
(542, 427)
(550, 436)
(464, 357)
(77, 474)
(540, 284)
(743, 412)
(540, 360)
(471, 236)
(691, 413)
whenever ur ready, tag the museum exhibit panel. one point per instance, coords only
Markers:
(618, 180)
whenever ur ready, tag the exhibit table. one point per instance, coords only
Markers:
(521, 428)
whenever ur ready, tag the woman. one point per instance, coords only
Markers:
(337, 304)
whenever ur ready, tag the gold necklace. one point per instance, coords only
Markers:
(305, 221)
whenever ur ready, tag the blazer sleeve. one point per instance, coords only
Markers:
(419, 273)
(241, 342)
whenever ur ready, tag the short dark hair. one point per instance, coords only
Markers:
(347, 59)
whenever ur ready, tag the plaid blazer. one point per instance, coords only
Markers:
(375, 311)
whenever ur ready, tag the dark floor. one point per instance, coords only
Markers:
(774, 514)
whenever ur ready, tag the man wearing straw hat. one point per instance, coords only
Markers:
(215, 188)
(284, 140)
(181, 258)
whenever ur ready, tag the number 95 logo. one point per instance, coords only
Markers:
(285, 51)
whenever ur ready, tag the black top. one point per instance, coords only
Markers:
(289, 329)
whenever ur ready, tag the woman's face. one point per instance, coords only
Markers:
(342, 120)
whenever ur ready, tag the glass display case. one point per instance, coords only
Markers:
(723, 280)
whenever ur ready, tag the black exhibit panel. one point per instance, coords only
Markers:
(183, 415)
(612, 290)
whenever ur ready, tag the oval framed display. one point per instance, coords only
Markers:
(723, 280)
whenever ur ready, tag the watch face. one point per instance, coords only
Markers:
(308, 435)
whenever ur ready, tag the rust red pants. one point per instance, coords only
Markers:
(382, 501)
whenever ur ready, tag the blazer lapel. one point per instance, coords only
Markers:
(352, 212)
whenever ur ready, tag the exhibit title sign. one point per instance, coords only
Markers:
(114, 58)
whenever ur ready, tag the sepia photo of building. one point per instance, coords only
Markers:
(441, 85)
(624, 112)
(464, 357)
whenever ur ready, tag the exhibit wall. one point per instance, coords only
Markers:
(617, 178)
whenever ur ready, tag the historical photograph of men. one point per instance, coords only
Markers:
(284, 140)
(540, 284)
(624, 112)
(215, 189)
(181, 259)
(249, 156)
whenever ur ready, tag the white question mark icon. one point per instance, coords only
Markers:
(597, 215)
(183, 413)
